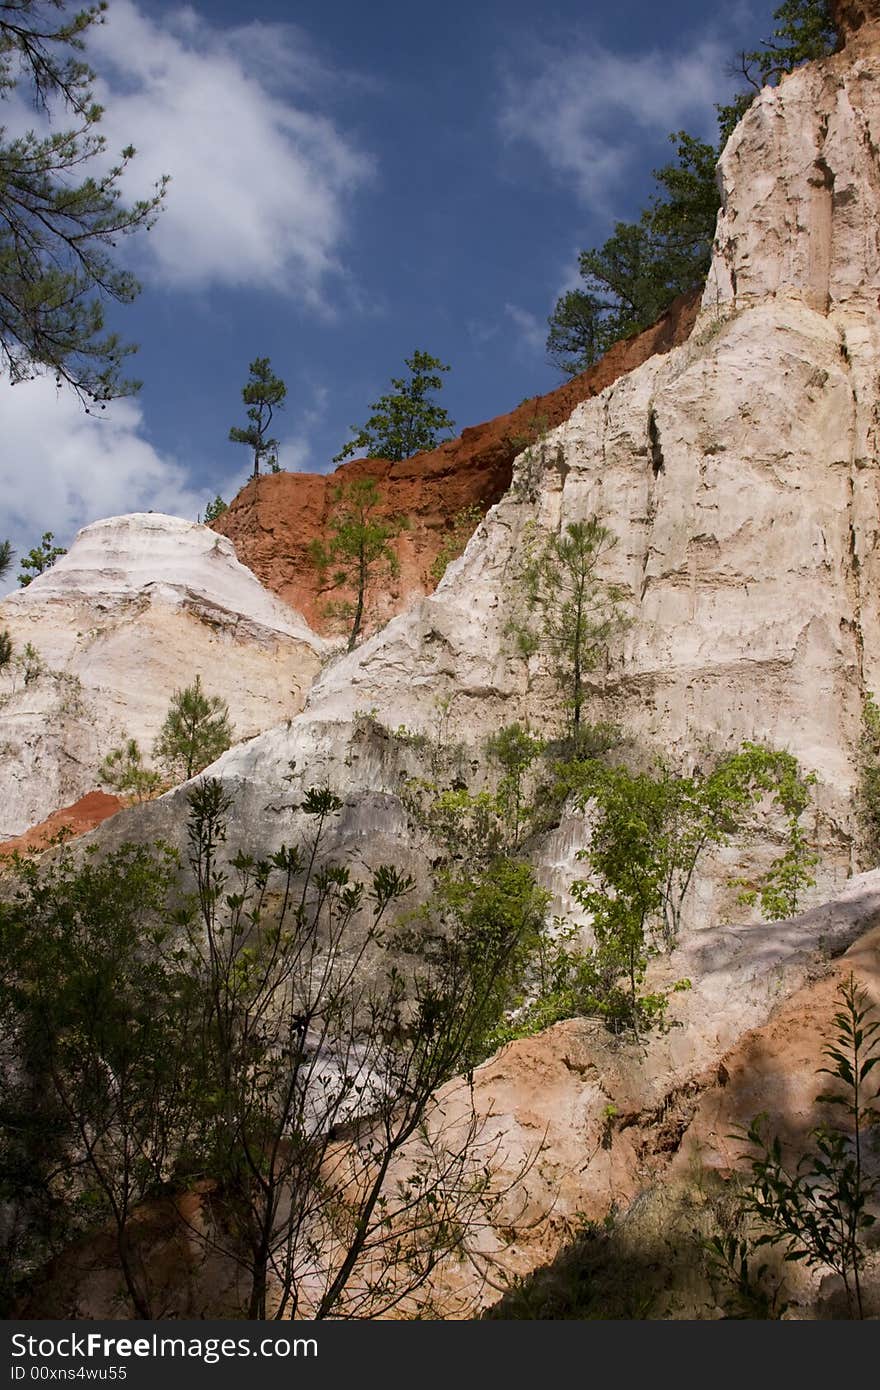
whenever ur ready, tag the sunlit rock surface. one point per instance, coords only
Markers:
(138, 607)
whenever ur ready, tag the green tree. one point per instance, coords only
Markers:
(123, 770)
(804, 32)
(195, 732)
(643, 265)
(256, 1033)
(40, 558)
(57, 226)
(263, 394)
(572, 612)
(356, 549)
(583, 326)
(820, 1209)
(633, 277)
(215, 509)
(484, 930)
(514, 749)
(94, 1049)
(316, 1065)
(406, 420)
(649, 833)
(7, 555)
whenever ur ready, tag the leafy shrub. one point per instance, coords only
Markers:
(195, 732)
(819, 1210)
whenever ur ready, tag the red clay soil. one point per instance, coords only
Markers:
(83, 815)
(274, 518)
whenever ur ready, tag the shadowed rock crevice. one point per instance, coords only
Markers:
(657, 464)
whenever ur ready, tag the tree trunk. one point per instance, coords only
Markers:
(359, 610)
(137, 1296)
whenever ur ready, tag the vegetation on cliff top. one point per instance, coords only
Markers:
(639, 270)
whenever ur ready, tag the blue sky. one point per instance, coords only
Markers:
(349, 182)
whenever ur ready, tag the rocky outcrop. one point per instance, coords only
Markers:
(597, 1120)
(667, 1165)
(273, 520)
(848, 16)
(135, 610)
(739, 473)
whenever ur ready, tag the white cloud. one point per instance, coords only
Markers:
(61, 469)
(532, 332)
(587, 110)
(260, 183)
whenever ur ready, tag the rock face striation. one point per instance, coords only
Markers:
(138, 607)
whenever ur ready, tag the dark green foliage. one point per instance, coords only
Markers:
(263, 394)
(768, 772)
(484, 933)
(195, 732)
(820, 1209)
(514, 749)
(583, 326)
(466, 827)
(566, 763)
(5, 648)
(55, 224)
(40, 558)
(648, 835)
(308, 1034)
(742, 1286)
(356, 552)
(643, 265)
(91, 1055)
(486, 897)
(406, 420)
(124, 772)
(255, 1034)
(635, 275)
(650, 832)
(7, 554)
(215, 509)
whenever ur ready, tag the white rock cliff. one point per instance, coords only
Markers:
(739, 473)
(138, 607)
